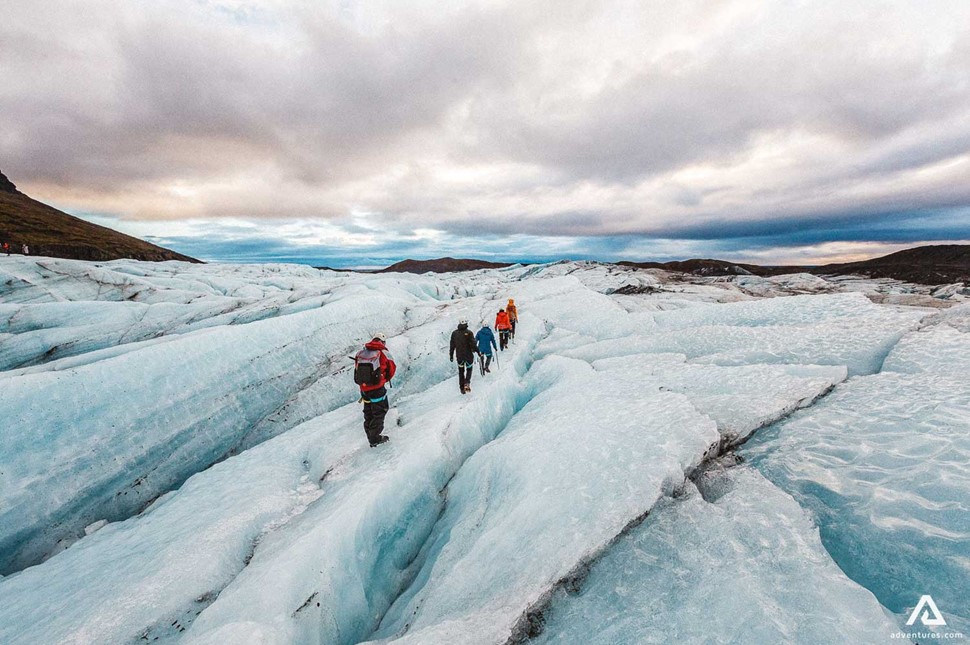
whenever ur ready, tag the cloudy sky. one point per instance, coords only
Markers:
(357, 132)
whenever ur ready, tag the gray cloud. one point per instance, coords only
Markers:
(166, 94)
(828, 76)
(485, 118)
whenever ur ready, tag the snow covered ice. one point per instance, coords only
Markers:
(521, 515)
(883, 464)
(185, 461)
(719, 567)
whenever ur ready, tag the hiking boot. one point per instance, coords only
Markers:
(381, 439)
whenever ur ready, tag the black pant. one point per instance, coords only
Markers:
(513, 327)
(486, 362)
(374, 413)
(465, 373)
(503, 338)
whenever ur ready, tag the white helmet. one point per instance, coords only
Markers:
(463, 321)
(381, 336)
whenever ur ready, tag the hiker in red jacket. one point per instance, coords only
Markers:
(504, 327)
(373, 370)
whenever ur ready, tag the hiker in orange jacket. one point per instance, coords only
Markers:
(504, 327)
(513, 314)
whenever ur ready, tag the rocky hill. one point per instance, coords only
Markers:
(936, 264)
(441, 265)
(705, 267)
(48, 231)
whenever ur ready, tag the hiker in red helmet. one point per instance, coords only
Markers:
(504, 327)
(373, 370)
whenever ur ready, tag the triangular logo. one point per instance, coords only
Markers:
(931, 615)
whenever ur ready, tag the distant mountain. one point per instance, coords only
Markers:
(936, 264)
(441, 265)
(702, 267)
(48, 231)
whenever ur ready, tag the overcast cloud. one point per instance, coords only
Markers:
(357, 132)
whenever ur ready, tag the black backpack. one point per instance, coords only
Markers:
(367, 367)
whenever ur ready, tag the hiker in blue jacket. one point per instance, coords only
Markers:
(486, 343)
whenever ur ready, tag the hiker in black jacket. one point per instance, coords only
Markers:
(464, 347)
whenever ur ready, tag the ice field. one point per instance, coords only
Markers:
(733, 460)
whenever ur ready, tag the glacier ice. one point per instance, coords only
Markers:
(882, 464)
(744, 567)
(102, 440)
(796, 310)
(145, 573)
(186, 461)
(549, 493)
(139, 576)
(740, 399)
(840, 329)
(346, 559)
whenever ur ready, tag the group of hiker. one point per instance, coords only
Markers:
(24, 249)
(374, 368)
(465, 345)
